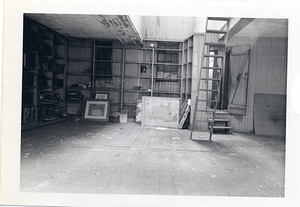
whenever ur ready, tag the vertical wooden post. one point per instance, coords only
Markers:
(152, 78)
(182, 75)
(93, 72)
(122, 78)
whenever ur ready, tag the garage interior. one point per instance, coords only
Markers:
(110, 105)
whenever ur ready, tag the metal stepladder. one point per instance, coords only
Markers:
(210, 74)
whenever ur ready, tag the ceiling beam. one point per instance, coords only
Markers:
(241, 24)
(121, 27)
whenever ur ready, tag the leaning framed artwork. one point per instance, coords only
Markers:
(101, 96)
(97, 109)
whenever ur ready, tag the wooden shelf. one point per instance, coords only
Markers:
(78, 74)
(77, 88)
(79, 60)
(157, 63)
(166, 92)
(163, 49)
(132, 62)
(156, 40)
(108, 61)
(103, 75)
(107, 89)
(148, 77)
(137, 91)
(146, 91)
(111, 47)
(87, 46)
(168, 79)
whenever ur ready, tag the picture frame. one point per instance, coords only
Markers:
(97, 110)
(101, 95)
(160, 74)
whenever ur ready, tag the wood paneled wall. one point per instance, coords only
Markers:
(267, 73)
(167, 28)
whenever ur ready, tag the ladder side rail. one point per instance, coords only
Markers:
(220, 81)
(198, 80)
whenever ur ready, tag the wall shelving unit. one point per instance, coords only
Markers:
(125, 73)
(187, 67)
(43, 75)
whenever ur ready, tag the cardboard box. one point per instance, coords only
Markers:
(119, 117)
(123, 116)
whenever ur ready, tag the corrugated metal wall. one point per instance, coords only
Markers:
(167, 28)
(267, 73)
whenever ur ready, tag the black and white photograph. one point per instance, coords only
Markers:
(135, 108)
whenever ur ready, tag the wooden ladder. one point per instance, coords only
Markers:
(210, 75)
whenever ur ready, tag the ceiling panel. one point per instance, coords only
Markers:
(265, 28)
(91, 26)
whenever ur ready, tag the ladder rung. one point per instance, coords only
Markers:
(221, 127)
(214, 68)
(219, 18)
(219, 120)
(216, 31)
(215, 44)
(222, 112)
(214, 56)
(212, 111)
(203, 100)
(203, 110)
(202, 130)
(210, 79)
(208, 90)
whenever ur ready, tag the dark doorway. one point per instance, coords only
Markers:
(223, 104)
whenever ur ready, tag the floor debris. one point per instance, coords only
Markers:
(175, 138)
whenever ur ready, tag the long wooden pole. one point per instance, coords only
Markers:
(122, 79)
(152, 76)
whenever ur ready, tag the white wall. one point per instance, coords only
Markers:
(137, 22)
(167, 27)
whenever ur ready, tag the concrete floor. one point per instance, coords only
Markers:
(112, 158)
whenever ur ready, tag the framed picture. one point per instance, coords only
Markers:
(160, 74)
(101, 96)
(97, 109)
